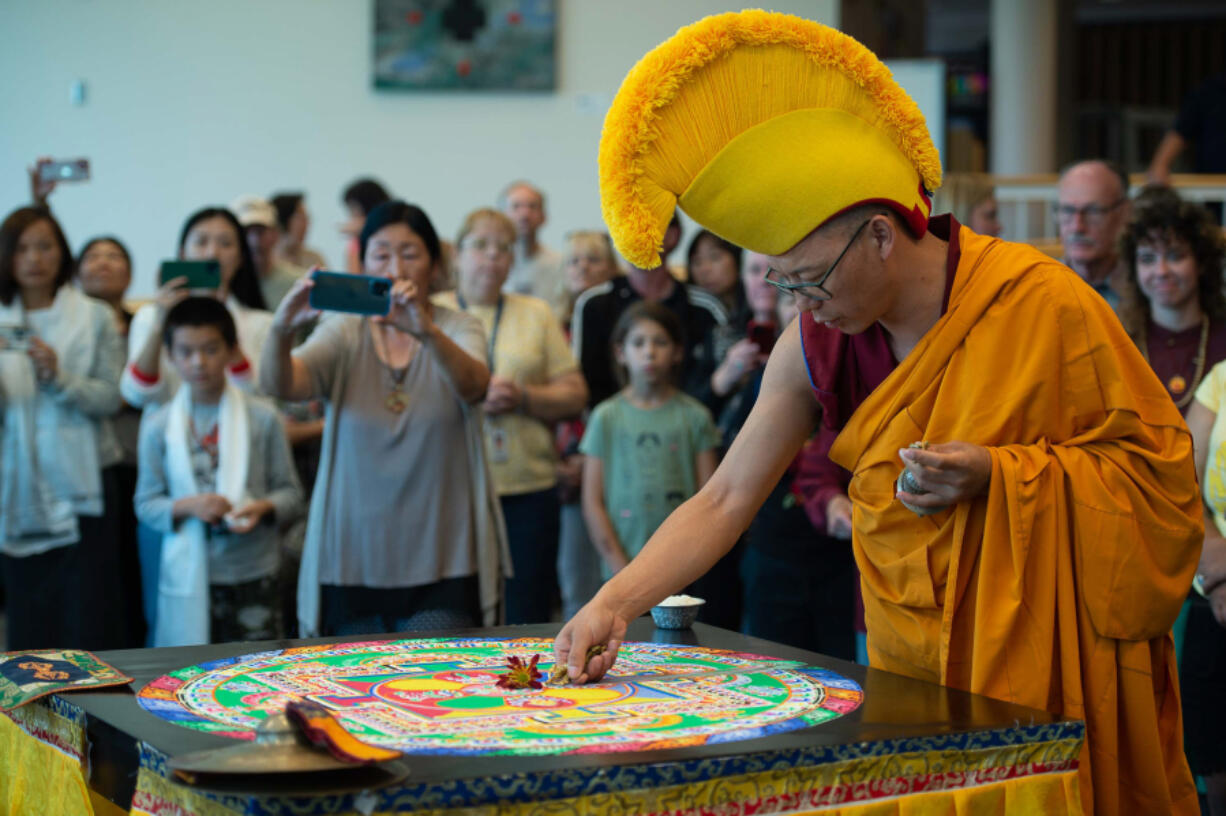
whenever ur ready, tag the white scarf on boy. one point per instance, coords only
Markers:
(183, 585)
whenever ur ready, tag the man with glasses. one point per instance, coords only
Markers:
(1026, 515)
(1091, 213)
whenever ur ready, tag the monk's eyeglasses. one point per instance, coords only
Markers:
(814, 290)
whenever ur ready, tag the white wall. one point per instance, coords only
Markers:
(189, 104)
(924, 81)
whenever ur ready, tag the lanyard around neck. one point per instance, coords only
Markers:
(493, 331)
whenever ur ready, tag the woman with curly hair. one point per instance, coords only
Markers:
(1172, 304)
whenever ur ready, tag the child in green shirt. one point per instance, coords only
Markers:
(649, 447)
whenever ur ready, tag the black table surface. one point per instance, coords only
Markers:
(894, 708)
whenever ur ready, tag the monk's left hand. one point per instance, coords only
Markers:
(950, 472)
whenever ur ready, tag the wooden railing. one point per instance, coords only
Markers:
(1027, 203)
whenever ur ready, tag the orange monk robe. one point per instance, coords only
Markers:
(1059, 588)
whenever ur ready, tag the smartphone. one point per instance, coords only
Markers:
(15, 338)
(762, 334)
(201, 275)
(65, 170)
(356, 294)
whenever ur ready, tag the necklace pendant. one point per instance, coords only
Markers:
(396, 402)
(1177, 384)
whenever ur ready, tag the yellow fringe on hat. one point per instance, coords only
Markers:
(691, 95)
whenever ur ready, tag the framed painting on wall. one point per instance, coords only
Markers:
(465, 44)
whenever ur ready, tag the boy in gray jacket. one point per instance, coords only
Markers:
(217, 478)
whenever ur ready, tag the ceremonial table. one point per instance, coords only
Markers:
(873, 743)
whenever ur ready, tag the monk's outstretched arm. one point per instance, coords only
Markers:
(703, 529)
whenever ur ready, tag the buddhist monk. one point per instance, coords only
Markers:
(1026, 514)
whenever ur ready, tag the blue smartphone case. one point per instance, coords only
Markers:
(201, 275)
(355, 294)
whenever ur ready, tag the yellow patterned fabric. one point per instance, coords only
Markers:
(762, 126)
(40, 764)
(1049, 794)
(1024, 778)
(157, 796)
(1052, 795)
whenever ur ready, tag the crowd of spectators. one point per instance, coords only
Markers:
(233, 464)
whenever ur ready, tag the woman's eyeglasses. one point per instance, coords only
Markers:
(486, 244)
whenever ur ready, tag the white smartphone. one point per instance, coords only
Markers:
(65, 170)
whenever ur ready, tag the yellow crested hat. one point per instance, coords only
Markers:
(762, 127)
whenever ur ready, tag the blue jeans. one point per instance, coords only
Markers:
(532, 531)
(149, 548)
(578, 562)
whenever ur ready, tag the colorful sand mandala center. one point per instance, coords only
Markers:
(439, 696)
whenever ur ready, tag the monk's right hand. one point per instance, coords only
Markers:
(594, 624)
(295, 310)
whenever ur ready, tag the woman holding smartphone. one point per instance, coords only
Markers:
(59, 494)
(535, 382)
(404, 530)
(715, 265)
(210, 234)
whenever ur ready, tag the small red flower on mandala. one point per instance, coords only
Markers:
(522, 674)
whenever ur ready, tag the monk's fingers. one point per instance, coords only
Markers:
(956, 465)
(600, 664)
(922, 457)
(561, 646)
(574, 660)
(925, 501)
(917, 478)
(939, 462)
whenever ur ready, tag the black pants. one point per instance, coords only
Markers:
(77, 596)
(247, 611)
(453, 603)
(129, 556)
(721, 588)
(1202, 679)
(799, 584)
(533, 524)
